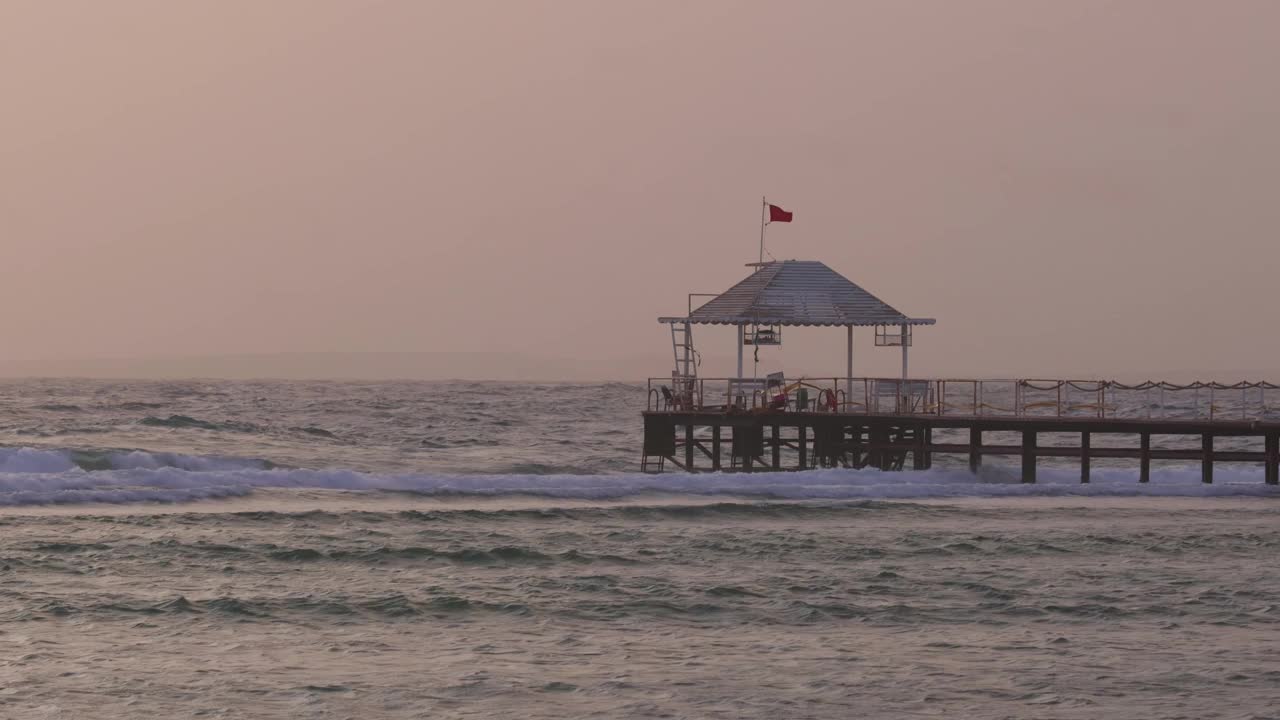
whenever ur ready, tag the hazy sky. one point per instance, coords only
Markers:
(1072, 186)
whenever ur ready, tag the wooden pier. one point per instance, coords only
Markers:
(779, 441)
(762, 420)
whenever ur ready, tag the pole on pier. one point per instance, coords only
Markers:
(975, 449)
(1084, 457)
(848, 371)
(905, 342)
(1144, 458)
(764, 208)
(1028, 456)
(742, 338)
(1206, 458)
(1273, 459)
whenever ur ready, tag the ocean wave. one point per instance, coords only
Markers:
(180, 422)
(39, 461)
(36, 476)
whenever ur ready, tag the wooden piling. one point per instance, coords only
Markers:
(1144, 459)
(928, 445)
(882, 456)
(688, 447)
(1028, 456)
(1084, 457)
(975, 449)
(1273, 459)
(804, 447)
(919, 453)
(1206, 458)
(777, 447)
(715, 447)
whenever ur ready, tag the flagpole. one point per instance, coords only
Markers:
(764, 207)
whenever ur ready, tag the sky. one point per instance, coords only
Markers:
(1084, 187)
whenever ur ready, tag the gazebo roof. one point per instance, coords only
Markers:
(797, 292)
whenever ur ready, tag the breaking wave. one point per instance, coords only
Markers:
(37, 476)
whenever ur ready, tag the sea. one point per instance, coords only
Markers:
(227, 549)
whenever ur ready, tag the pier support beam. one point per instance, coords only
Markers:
(1273, 459)
(804, 447)
(1206, 458)
(1144, 459)
(777, 447)
(975, 450)
(928, 453)
(1028, 456)
(920, 453)
(1084, 457)
(688, 448)
(715, 448)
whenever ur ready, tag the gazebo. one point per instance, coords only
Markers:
(790, 293)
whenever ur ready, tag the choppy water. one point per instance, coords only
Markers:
(333, 550)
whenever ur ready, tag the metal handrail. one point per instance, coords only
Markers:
(998, 397)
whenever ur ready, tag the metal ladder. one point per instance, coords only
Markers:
(685, 376)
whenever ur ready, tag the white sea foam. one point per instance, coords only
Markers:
(31, 460)
(31, 476)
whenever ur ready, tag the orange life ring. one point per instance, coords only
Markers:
(831, 399)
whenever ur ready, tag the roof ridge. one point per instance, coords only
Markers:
(773, 269)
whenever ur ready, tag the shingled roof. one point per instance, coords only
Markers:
(798, 292)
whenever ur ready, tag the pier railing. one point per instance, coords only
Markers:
(972, 398)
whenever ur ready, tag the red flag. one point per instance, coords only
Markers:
(777, 214)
